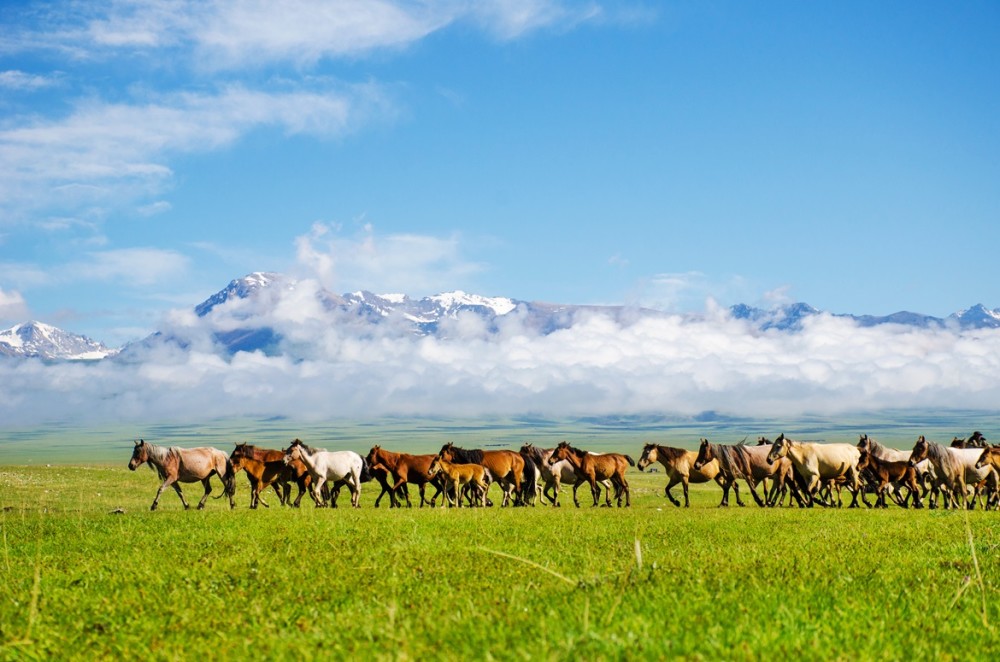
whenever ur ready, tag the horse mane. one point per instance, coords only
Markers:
(877, 449)
(533, 452)
(671, 452)
(940, 456)
(466, 456)
(732, 460)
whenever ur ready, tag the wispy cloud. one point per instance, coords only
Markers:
(105, 155)
(131, 267)
(409, 263)
(19, 80)
(12, 306)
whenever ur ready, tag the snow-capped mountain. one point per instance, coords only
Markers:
(241, 317)
(34, 339)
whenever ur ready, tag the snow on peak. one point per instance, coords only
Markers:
(450, 300)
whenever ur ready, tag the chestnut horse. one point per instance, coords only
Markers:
(679, 465)
(595, 468)
(556, 474)
(506, 467)
(266, 468)
(404, 469)
(458, 476)
(186, 465)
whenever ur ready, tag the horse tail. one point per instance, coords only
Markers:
(629, 460)
(228, 481)
(529, 484)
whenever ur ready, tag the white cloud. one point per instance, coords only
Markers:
(416, 264)
(337, 366)
(131, 266)
(106, 154)
(12, 306)
(20, 80)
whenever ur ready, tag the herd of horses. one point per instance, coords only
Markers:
(962, 474)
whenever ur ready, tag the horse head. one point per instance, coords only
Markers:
(764, 441)
(919, 452)
(779, 449)
(864, 459)
(562, 452)
(372, 457)
(977, 440)
(140, 454)
(864, 443)
(984, 458)
(447, 452)
(294, 451)
(704, 454)
(435, 466)
(649, 455)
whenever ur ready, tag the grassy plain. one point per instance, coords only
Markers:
(648, 582)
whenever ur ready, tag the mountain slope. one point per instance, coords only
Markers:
(34, 339)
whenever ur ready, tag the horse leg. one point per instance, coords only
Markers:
(177, 488)
(673, 481)
(208, 490)
(684, 483)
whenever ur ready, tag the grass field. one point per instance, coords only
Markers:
(647, 582)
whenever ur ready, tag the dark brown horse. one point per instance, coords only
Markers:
(185, 465)
(267, 468)
(885, 474)
(506, 467)
(750, 464)
(596, 468)
(404, 469)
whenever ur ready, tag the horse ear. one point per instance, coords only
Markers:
(136, 442)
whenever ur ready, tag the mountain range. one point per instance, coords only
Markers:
(238, 309)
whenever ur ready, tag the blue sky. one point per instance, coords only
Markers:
(841, 153)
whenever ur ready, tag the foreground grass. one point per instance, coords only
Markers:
(648, 582)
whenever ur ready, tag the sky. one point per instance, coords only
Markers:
(681, 156)
(660, 154)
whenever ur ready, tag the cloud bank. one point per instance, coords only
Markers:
(330, 365)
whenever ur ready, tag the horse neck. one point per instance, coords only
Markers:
(157, 455)
(388, 459)
(306, 458)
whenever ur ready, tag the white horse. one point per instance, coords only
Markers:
(817, 463)
(329, 465)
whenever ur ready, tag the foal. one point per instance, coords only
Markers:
(457, 476)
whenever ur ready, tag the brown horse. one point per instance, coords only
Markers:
(595, 468)
(679, 465)
(506, 467)
(404, 469)
(884, 474)
(458, 476)
(185, 465)
(267, 468)
(555, 474)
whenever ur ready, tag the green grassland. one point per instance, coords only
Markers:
(83, 581)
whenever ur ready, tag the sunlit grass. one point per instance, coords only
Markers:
(83, 582)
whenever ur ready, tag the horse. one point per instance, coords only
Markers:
(556, 474)
(975, 440)
(404, 469)
(885, 474)
(186, 465)
(458, 476)
(990, 456)
(751, 464)
(679, 466)
(818, 463)
(329, 465)
(506, 467)
(593, 468)
(266, 468)
(955, 468)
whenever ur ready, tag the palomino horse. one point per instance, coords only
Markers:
(595, 468)
(955, 469)
(266, 468)
(506, 467)
(186, 465)
(458, 476)
(821, 463)
(329, 465)
(404, 469)
(990, 456)
(749, 463)
(555, 474)
(679, 465)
